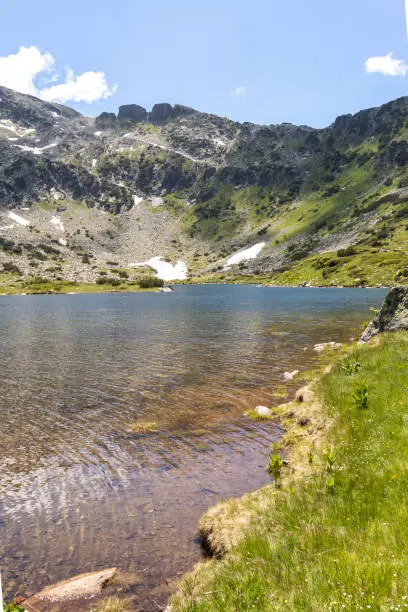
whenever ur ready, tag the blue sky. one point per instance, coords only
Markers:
(286, 60)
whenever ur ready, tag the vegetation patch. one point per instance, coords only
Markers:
(330, 538)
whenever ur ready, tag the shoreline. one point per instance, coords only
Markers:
(312, 542)
(93, 288)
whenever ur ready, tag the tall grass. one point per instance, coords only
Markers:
(337, 539)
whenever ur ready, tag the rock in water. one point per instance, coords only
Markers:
(393, 315)
(263, 411)
(290, 375)
(83, 586)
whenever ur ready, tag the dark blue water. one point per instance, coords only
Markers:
(80, 486)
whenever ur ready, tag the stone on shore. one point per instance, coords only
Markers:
(263, 411)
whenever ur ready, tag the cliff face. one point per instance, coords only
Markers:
(218, 186)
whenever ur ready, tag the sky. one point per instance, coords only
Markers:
(264, 61)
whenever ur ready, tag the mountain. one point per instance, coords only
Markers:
(85, 199)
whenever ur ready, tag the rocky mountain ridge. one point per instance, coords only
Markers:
(190, 187)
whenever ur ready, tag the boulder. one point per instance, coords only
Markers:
(263, 411)
(393, 315)
(161, 113)
(132, 113)
(290, 375)
(106, 121)
(82, 586)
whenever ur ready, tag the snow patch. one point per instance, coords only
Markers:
(62, 242)
(220, 142)
(94, 162)
(137, 199)
(19, 130)
(58, 223)
(98, 133)
(36, 150)
(250, 253)
(165, 270)
(18, 219)
(12, 139)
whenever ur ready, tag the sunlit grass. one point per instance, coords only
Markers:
(335, 539)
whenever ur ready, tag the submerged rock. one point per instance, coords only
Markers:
(393, 315)
(324, 345)
(82, 586)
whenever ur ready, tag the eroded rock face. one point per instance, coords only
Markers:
(393, 315)
(133, 113)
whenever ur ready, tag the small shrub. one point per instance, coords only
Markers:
(350, 250)
(11, 268)
(360, 396)
(148, 282)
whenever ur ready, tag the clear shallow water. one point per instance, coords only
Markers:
(77, 490)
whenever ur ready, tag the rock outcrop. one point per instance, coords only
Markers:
(106, 121)
(393, 315)
(161, 113)
(133, 113)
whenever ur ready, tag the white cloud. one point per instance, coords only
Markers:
(21, 70)
(386, 65)
(86, 87)
(239, 91)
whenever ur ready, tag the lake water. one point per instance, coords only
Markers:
(78, 491)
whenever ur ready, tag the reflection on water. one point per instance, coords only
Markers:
(78, 491)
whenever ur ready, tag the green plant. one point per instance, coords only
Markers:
(275, 465)
(350, 365)
(360, 396)
(330, 484)
(12, 607)
(330, 460)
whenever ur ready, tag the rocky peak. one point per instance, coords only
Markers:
(133, 113)
(106, 121)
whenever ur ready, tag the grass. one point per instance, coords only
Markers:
(112, 604)
(10, 285)
(334, 536)
(143, 427)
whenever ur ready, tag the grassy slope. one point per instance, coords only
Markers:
(312, 549)
(11, 284)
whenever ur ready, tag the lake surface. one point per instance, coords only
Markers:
(78, 491)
